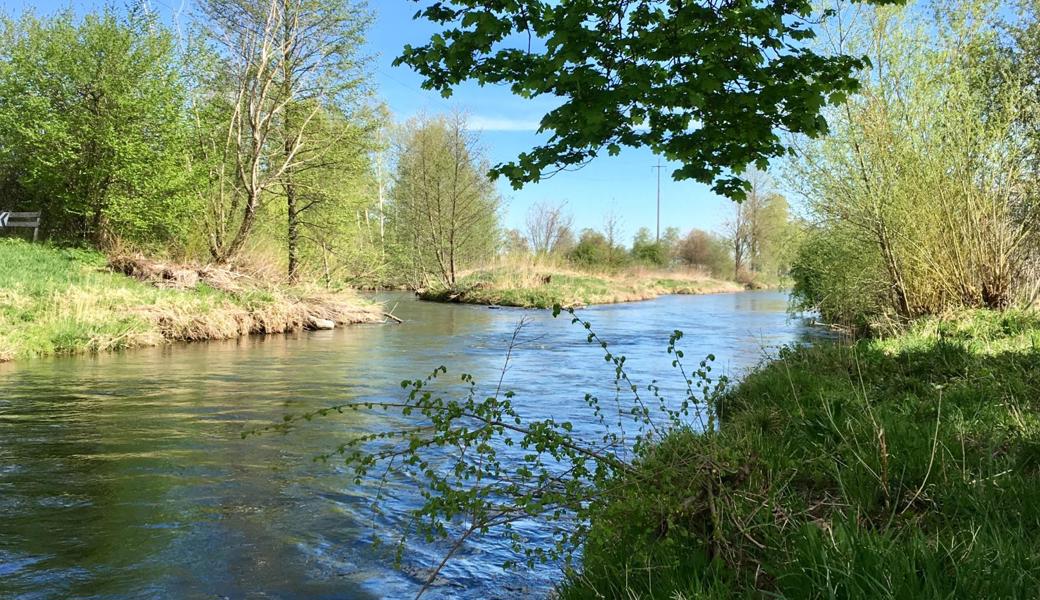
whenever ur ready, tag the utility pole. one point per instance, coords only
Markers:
(658, 167)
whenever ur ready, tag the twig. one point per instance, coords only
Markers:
(390, 315)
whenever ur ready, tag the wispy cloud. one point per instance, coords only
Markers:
(488, 123)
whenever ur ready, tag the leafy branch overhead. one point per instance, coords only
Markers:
(710, 84)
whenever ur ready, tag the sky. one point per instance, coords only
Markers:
(624, 186)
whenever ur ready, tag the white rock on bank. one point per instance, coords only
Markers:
(321, 324)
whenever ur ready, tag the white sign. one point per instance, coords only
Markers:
(3, 219)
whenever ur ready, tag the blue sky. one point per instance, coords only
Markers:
(624, 185)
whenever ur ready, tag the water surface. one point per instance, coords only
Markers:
(125, 476)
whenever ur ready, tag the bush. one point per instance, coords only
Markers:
(706, 250)
(838, 275)
(594, 251)
(93, 128)
(921, 189)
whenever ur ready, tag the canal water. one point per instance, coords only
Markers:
(125, 476)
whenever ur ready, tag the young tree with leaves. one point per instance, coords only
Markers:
(278, 71)
(445, 206)
(322, 72)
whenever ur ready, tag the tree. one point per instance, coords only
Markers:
(1022, 48)
(703, 83)
(646, 250)
(237, 101)
(321, 75)
(547, 226)
(338, 226)
(92, 131)
(446, 207)
(777, 237)
(514, 243)
(611, 233)
(758, 229)
(274, 70)
(592, 249)
(595, 250)
(705, 250)
(659, 253)
(735, 230)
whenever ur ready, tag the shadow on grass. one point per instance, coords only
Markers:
(901, 468)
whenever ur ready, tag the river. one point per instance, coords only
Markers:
(125, 475)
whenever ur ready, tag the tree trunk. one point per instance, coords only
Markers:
(738, 258)
(288, 183)
(294, 231)
(230, 251)
(894, 273)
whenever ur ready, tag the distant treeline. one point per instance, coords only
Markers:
(756, 243)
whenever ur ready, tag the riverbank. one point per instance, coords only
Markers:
(68, 301)
(544, 288)
(898, 468)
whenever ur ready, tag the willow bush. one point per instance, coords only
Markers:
(922, 182)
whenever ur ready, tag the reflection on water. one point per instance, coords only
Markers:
(125, 475)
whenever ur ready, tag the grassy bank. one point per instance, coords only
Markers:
(64, 301)
(900, 468)
(542, 287)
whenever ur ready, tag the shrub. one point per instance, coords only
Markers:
(924, 173)
(94, 128)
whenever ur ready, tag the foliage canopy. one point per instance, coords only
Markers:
(707, 84)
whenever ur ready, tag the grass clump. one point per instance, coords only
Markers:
(539, 287)
(905, 467)
(66, 301)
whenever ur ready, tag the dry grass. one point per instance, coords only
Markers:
(536, 283)
(55, 301)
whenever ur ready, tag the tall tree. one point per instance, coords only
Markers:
(322, 69)
(735, 230)
(445, 205)
(237, 102)
(758, 228)
(706, 83)
(279, 70)
(335, 204)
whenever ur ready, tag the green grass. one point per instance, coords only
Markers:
(906, 467)
(66, 301)
(527, 287)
